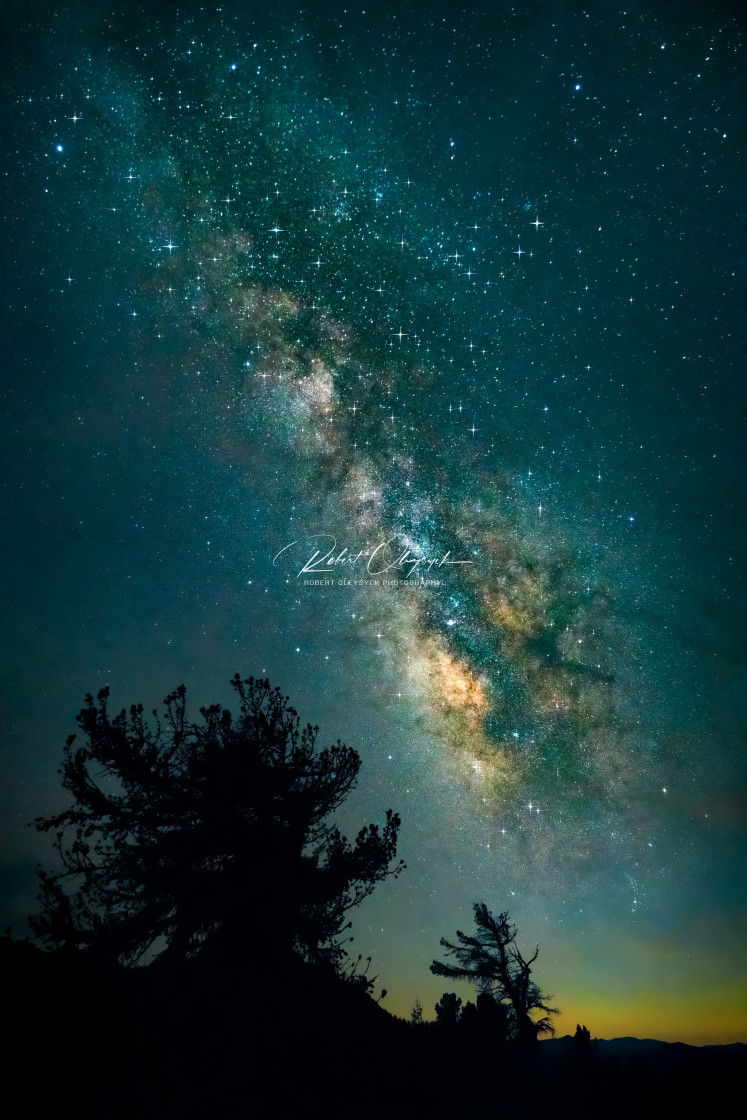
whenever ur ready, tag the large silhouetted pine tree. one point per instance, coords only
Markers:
(185, 838)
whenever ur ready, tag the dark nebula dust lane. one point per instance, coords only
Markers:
(394, 356)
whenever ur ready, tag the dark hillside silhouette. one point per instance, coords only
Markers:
(199, 966)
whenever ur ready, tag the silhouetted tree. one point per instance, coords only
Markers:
(493, 1016)
(448, 1010)
(417, 1012)
(187, 835)
(582, 1047)
(492, 960)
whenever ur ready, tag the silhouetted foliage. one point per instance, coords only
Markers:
(448, 1010)
(188, 835)
(582, 1045)
(492, 1016)
(492, 960)
(469, 1020)
(209, 845)
(417, 1012)
(357, 976)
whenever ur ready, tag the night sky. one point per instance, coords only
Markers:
(452, 297)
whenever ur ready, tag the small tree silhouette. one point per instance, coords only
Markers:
(448, 1010)
(492, 960)
(469, 1020)
(582, 1047)
(185, 836)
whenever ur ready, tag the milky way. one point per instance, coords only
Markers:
(379, 359)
